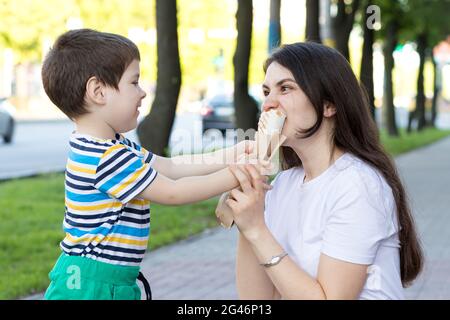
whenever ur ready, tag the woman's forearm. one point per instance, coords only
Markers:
(290, 280)
(252, 282)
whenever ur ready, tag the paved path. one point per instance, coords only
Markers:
(198, 268)
(426, 173)
(203, 267)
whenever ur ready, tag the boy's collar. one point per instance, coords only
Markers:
(118, 137)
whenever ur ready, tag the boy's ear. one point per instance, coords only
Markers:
(329, 110)
(95, 91)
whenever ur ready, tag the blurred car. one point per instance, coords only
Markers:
(7, 122)
(218, 112)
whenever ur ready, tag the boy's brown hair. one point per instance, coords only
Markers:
(78, 55)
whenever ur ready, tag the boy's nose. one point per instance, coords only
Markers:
(144, 94)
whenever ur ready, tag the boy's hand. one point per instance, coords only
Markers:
(242, 149)
(263, 166)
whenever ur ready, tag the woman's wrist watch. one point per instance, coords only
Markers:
(274, 260)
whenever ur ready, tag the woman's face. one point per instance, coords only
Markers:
(282, 92)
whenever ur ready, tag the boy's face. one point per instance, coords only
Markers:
(122, 105)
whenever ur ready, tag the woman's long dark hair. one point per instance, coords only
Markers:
(324, 75)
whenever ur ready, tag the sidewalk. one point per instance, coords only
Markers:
(426, 173)
(203, 267)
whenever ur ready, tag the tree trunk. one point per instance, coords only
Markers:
(366, 74)
(245, 106)
(154, 131)
(274, 25)
(420, 97)
(312, 21)
(388, 96)
(436, 89)
(342, 25)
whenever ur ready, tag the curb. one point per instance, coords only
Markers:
(30, 174)
(38, 121)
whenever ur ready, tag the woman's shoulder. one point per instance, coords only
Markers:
(355, 176)
(352, 170)
(287, 175)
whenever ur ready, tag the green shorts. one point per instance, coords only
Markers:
(80, 278)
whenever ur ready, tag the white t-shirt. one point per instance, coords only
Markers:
(347, 213)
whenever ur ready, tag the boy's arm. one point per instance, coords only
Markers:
(186, 190)
(200, 164)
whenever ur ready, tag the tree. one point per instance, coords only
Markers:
(312, 21)
(436, 90)
(245, 106)
(274, 24)
(154, 131)
(420, 97)
(427, 25)
(342, 25)
(27, 24)
(393, 20)
(388, 92)
(366, 72)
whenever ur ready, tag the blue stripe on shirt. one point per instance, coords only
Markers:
(93, 197)
(117, 155)
(76, 157)
(118, 229)
(115, 167)
(121, 175)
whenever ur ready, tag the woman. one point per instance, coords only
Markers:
(336, 224)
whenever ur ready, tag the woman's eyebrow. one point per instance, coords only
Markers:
(279, 83)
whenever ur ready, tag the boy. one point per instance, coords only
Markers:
(93, 78)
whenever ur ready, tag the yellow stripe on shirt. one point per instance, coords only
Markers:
(125, 184)
(139, 202)
(95, 238)
(116, 147)
(80, 169)
(108, 205)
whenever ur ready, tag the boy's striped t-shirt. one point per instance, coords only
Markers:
(103, 219)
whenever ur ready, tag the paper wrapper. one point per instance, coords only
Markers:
(268, 141)
(269, 138)
(224, 213)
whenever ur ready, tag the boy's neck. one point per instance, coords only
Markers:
(94, 127)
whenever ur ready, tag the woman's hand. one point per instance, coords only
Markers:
(247, 204)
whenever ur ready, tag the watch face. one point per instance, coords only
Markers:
(275, 260)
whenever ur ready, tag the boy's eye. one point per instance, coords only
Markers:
(265, 93)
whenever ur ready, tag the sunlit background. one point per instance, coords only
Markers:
(34, 133)
(207, 40)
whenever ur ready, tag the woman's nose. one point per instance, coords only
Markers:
(270, 103)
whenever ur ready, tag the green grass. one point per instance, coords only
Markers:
(31, 214)
(406, 142)
(32, 209)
